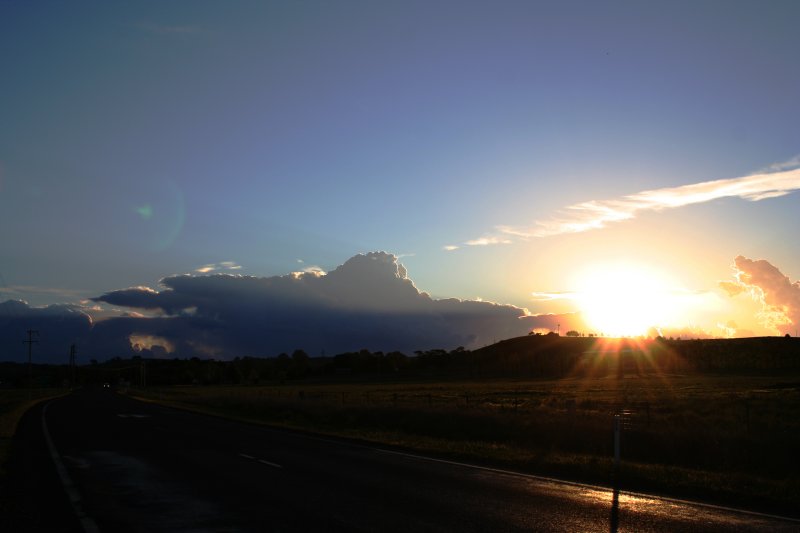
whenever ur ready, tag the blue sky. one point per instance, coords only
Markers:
(140, 140)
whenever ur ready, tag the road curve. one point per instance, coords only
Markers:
(137, 467)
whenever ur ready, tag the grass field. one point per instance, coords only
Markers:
(729, 439)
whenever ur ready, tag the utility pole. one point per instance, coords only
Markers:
(72, 352)
(30, 342)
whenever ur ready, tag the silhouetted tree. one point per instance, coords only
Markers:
(300, 364)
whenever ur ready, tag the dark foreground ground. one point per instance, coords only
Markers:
(143, 467)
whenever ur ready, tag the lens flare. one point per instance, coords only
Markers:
(162, 210)
(145, 211)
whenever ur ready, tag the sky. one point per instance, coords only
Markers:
(622, 168)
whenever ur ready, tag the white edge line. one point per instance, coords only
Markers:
(262, 461)
(89, 525)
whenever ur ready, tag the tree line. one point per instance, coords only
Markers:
(536, 356)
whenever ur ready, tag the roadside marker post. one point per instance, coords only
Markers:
(617, 428)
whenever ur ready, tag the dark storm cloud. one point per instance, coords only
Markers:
(58, 325)
(368, 302)
(141, 297)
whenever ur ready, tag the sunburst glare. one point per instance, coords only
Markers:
(625, 299)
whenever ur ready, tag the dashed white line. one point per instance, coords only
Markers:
(275, 465)
(262, 461)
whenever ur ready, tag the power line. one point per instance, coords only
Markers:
(30, 342)
(72, 352)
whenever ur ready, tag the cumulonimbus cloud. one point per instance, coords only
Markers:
(765, 283)
(368, 302)
(595, 214)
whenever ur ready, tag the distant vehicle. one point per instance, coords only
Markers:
(106, 385)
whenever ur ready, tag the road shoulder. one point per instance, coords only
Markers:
(32, 494)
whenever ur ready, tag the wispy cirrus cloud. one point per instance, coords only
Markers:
(778, 180)
(22, 291)
(481, 241)
(486, 241)
(785, 165)
(550, 296)
(216, 267)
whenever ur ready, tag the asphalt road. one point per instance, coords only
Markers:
(136, 466)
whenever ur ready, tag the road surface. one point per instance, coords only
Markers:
(132, 466)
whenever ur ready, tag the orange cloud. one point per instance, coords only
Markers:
(778, 295)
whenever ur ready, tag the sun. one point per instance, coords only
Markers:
(625, 299)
